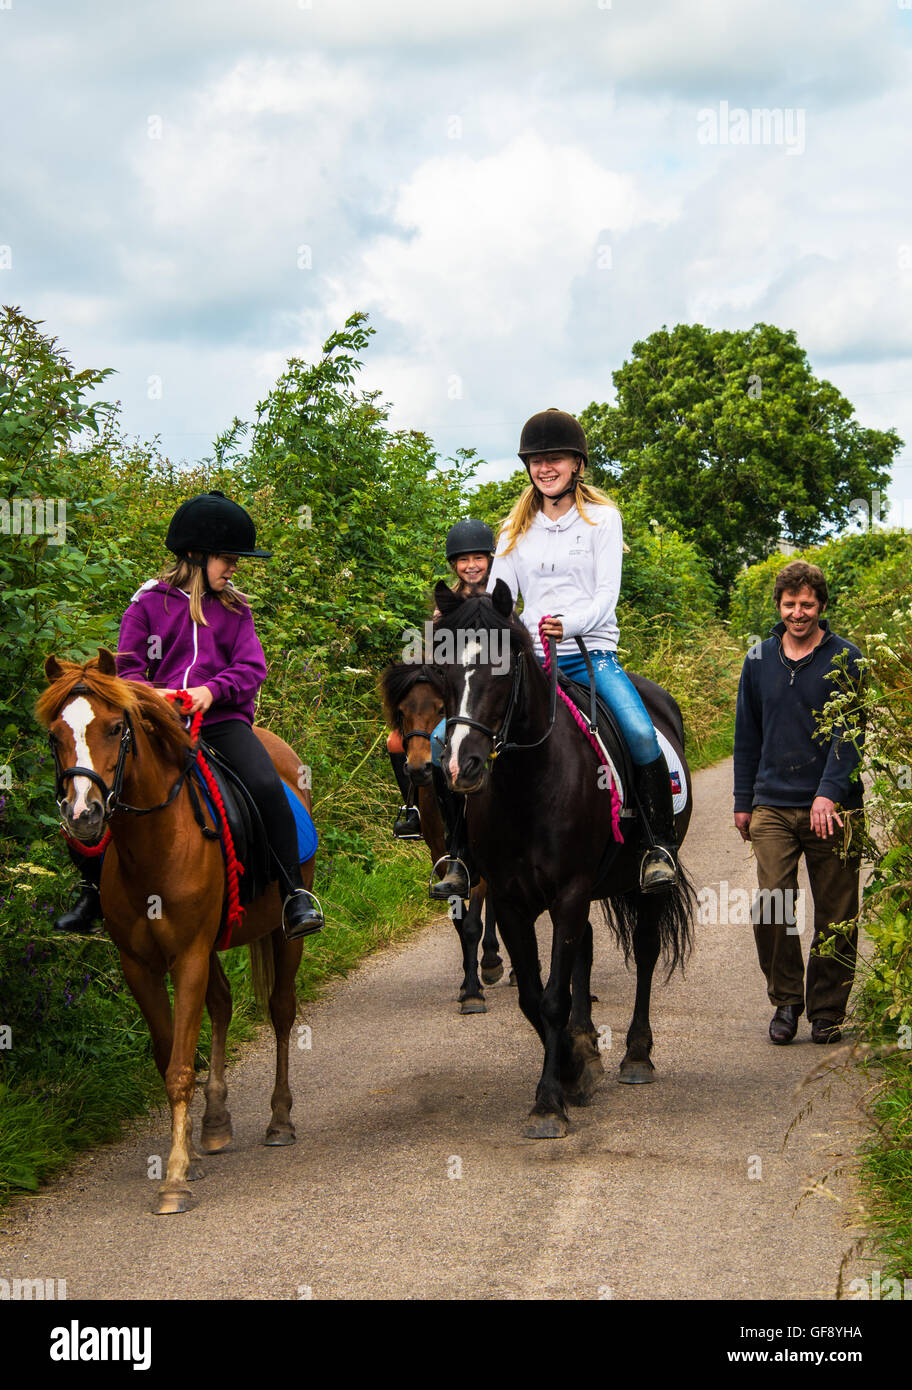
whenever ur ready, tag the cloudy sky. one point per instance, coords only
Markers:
(514, 190)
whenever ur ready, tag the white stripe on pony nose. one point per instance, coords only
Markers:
(469, 654)
(79, 715)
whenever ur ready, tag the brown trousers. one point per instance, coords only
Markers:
(779, 836)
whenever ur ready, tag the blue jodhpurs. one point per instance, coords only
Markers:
(618, 693)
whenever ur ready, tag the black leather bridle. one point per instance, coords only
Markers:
(499, 737)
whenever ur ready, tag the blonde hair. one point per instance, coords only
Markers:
(531, 501)
(180, 571)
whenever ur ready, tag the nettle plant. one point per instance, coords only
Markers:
(883, 714)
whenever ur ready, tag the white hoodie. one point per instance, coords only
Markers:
(569, 568)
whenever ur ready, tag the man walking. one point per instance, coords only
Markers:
(795, 794)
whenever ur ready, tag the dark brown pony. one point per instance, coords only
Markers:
(163, 890)
(413, 705)
(539, 821)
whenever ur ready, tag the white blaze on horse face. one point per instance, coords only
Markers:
(469, 655)
(79, 715)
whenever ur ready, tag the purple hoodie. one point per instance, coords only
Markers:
(161, 645)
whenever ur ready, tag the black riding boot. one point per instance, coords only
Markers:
(659, 866)
(408, 822)
(84, 917)
(455, 882)
(301, 915)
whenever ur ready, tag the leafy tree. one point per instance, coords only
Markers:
(730, 437)
(59, 542)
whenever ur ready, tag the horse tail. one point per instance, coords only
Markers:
(262, 970)
(672, 913)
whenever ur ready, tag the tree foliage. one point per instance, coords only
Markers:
(730, 437)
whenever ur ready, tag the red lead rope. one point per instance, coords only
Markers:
(584, 729)
(233, 866)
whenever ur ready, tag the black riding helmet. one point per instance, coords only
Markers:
(553, 431)
(215, 525)
(469, 538)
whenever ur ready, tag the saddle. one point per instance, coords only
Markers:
(245, 824)
(251, 845)
(609, 733)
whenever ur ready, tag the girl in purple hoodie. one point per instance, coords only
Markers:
(192, 630)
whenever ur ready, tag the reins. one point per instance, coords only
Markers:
(499, 743)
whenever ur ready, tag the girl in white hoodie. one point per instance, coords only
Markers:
(561, 548)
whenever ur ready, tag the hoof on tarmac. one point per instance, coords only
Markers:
(279, 1135)
(473, 1005)
(171, 1203)
(636, 1073)
(546, 1127)
(490, 974)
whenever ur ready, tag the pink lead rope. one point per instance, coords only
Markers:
(584, 729)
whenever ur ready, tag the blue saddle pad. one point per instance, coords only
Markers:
(307, 831)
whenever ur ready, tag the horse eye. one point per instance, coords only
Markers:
(115, 730)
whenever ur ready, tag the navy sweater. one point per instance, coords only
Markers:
(778, 761)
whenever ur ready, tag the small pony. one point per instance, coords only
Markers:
(123, 757)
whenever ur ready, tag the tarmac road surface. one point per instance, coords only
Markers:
(410, 1178)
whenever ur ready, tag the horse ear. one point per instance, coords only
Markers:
(445, 599)
(53, 669)
(106, 663)
(502, 599)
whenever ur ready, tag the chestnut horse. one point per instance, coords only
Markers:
(413, 704)
(163, 889)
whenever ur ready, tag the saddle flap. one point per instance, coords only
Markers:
(608, 731)
(245, 824)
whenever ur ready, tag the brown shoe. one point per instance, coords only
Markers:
(784, 1023)
(825, 1030)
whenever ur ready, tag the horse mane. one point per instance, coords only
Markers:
(158, 717)
(397, 681)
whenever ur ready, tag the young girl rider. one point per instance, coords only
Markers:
(470, 549)
(561, 548)
(192, 630)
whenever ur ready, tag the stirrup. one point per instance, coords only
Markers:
(664, 875)
(409, 818)
(310, 920)
(453, 892)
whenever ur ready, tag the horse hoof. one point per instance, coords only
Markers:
(212, 1141)
(546, 1127)
(195, 1172)
(473, 1006)
(491, 974)
(170, 1203)
(279, 1136)
(636, 1073)
(512, 979)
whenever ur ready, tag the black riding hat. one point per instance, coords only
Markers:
(469, 538)
(552, 431)
(215, 525)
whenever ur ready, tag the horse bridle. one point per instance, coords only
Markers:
(111, 801)
(499, 736)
